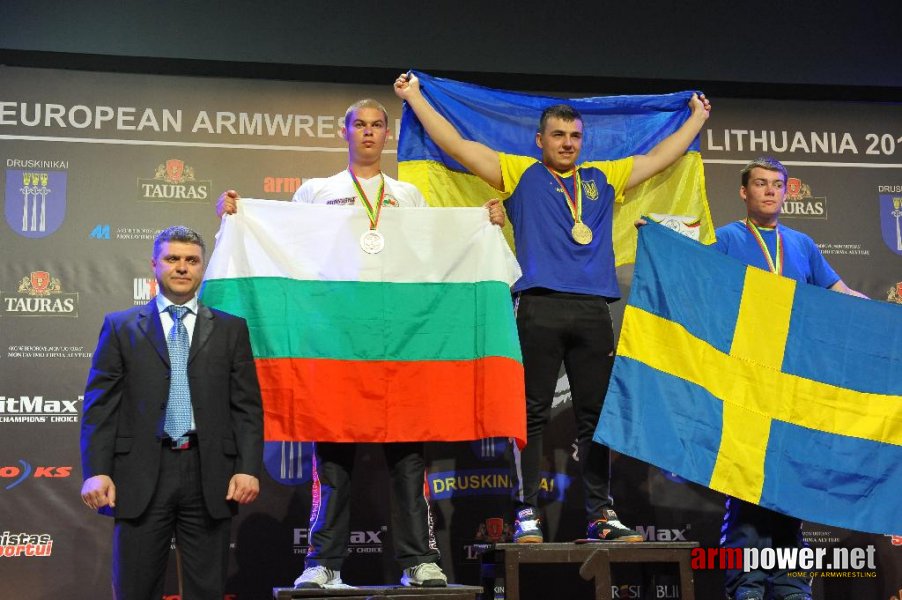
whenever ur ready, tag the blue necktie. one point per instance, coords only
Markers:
(178, 408)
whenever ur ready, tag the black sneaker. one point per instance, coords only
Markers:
(609, 529)
(527, 527)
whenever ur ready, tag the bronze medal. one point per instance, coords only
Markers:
(581, 233)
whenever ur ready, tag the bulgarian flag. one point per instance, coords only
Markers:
(417, 342)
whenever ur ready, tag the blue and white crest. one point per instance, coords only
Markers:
(35, 201)
(891, 221)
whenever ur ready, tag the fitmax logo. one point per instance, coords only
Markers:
(653, 534)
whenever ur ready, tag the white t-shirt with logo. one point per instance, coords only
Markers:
(339, 190)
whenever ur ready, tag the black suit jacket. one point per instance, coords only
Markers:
(125, 405)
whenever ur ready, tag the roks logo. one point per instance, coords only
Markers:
(35, 196)
(174, 181)
(40, 295)
(800, 203)
(13, 475)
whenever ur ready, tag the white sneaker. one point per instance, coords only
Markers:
(318, 577)
(427, 574)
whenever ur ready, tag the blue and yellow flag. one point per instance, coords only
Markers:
(782, 394)
(615, 126)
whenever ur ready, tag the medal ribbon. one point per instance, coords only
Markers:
(576, 206)
(775, 264)
(372, 212)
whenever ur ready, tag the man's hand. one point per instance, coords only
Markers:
(98, 491)
(496, 212)
(700, 106)
(227, 203)
(406, 84)
(640, 223)
(243, 489)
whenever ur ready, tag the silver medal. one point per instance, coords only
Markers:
(372, 241)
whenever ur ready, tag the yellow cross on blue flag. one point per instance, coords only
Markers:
(779, 393)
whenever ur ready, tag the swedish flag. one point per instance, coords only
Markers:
(782, 394)
(615, 126)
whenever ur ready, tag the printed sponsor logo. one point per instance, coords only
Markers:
(39, 294)
(661, 534)
(32, 351)
(37, 409)
(362, 541)
(626, 591)
(174, 181)
(104, 231)
(282, 185)
(35, 200)
(894, 294)
(494, 530)
(490, 482)
(13, 475)
(100, 232)
(16, 545)
(144, 289)
(289, 463)
(891, 221)
(800, 203)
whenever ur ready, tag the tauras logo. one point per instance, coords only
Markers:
(174, 181)
(801, 203)
(40, 294)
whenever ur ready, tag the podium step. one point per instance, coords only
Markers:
(503, 561)
(381, 592)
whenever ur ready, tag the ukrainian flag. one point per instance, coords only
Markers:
(782, 394)
(616, 127)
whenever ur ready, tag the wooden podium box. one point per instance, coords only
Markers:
(503, 561)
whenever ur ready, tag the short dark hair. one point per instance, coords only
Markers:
(564, 112)
(763, 162)
(178, 233)
(365, 103)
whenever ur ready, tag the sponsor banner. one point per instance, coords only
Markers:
(39, 294)
(43, 351)
(107, 231)
(11, 476)
(175, 181)
(360, 541)
(37, 409)
(800, 203)
(491, 482)
(25, 545)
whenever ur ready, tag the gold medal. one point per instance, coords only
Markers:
(581, 233)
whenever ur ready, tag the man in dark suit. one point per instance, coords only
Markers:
(172, 433)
